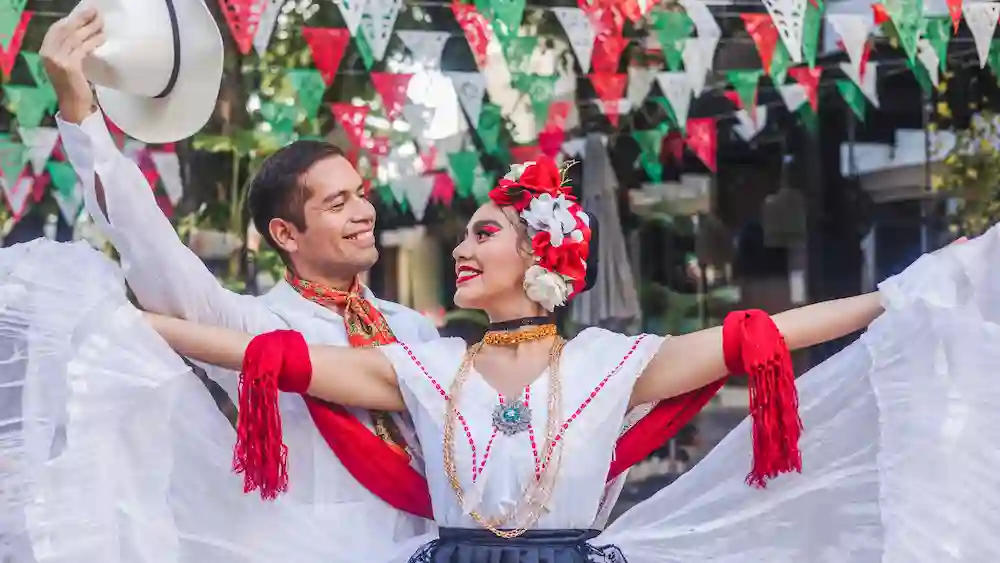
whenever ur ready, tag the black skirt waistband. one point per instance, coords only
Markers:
(473, 545)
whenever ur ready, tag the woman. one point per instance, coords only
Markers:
(895, 460)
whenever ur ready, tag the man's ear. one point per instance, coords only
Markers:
(283, 234)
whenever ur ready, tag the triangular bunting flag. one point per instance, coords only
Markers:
(425, 46)
(939, 34)
(698, 56)
(580, 32)
(789, 18)
(929, 59)
(702, 140)
(794, 95)
(745, 84)
(392, 89)
(67, 192)
(327, 45)
(39, 142)
(982, 18)
(853, 96)
(265, 28)
(764, 35)
(309, 87)
(748, 128)
(243, 18)
(704, 22)
(908, 18)
(608, 53)
(470, 87)
(10, 45)
(444, 188)
(676, 88)
(352, 11)
(352, 119)
(476, 29)
(168, 166)
(540, 91)
(12, 159)
(463, 165)
(417, 192)
(377, 24)
(672, 30)
(10, 15)
(18, 194)
(955, 11)
(853, 30)
(27, 103)
(507, 16)
(640, 81)
(809, 79)
(868, 84)
(489, 127)
(810, 33)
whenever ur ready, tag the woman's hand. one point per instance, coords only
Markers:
(354, 377)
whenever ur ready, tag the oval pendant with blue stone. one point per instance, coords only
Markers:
(511, 417)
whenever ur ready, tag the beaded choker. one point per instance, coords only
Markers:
(512, 338)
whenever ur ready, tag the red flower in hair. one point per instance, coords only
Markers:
(509, 194)
(542, 177)
(568, 259)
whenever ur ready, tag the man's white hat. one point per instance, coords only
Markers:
(158, 73)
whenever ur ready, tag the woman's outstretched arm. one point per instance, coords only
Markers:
(691, 361)
(355, 377)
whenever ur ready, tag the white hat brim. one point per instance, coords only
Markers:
(190, 104)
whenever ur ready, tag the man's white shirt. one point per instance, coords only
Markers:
(168, 278)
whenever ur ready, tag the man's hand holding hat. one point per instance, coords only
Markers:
(67, 43)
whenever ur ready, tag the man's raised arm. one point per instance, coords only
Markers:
(165, 275)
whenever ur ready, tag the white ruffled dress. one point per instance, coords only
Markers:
(112, 451)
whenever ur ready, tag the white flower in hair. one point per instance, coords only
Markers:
(516, 170)
(546, 288)
(552, 214)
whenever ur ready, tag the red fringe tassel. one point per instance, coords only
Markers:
(273, 362)
(752, 345)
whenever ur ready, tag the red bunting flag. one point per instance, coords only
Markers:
(391, 88)
(609, 86)
(701, 139)
(378, 146)
(352, 119)
(765, 36)
(880, 14)
(558, 113)
(444, 188)
(39, 186)
(327, 45)
(955, 10)
(809, 79)
(8, 56)
(608, 53)
(734, 97)
(243, 18)
(476, 29)
(606, 19)
(428, 158)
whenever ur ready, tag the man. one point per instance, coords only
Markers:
(308, 202)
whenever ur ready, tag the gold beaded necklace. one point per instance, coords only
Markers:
(513, 338)
(538, 491)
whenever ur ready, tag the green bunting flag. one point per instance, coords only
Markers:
(482, 183)
(745, 84)
(364, 49)
(939, 34)
(507, 16)
(780, 62)
(854, 97)
(10, 18)
(650, 146)
(540, 90)
(907, 15)
(652, 166)
(63, 177)
(809, 118)
(309, 87)
(489, 127)
(811, 27)
(518, 50)
(994, 58)
(463, 166)
(673, 29)
(280, 117)
(38, 74)
(28, 103)
(13, 157)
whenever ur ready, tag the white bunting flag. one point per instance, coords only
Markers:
(377, 23)
(581, 33)
(18, 194)
(40, 142)
(853, 30)
(265, 28)
(417, 191)
(425, 46)
(676, 88)
(640, 81)
(746, 127)
(868, 84)
(789, 18)
(794, 95)
(419, 117)
(929, 58)
(574, 148)
(698, 56)
(70, 205)
(470, 87)
(168, 166)
(981, 17)
(704, 22)
(352, 11)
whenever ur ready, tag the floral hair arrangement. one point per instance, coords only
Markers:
(558, 227)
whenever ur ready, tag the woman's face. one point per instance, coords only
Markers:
(491, 260)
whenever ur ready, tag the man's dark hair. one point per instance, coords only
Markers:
(277, 191)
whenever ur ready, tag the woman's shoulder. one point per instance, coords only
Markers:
(603, 350)
(432, 361)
